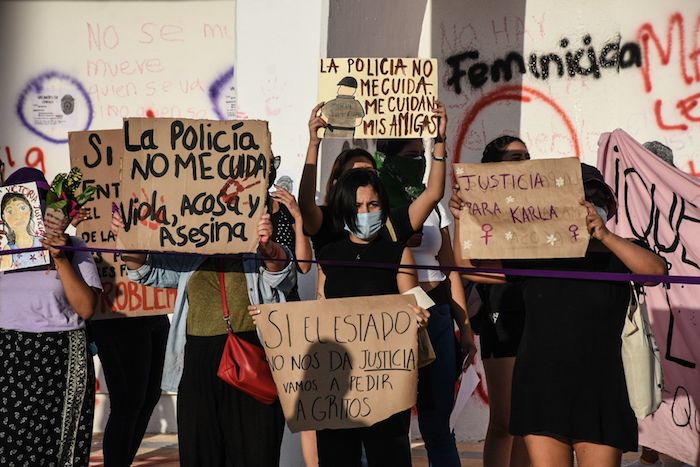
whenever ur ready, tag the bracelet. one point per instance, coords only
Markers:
(439, 159)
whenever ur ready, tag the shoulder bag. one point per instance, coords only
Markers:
(243, 365)
(641, 360)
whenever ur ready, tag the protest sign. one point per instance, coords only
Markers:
(342, 363)
(201, 183)
(378, 97)
(660, 205)
(98, 155)
(524, 209)
(21, 226)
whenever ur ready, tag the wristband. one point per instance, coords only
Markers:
(439, 139)
(439, 159)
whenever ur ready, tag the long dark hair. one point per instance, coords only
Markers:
(343, 200)
(7, 199)
(338, 165)
(494, 151)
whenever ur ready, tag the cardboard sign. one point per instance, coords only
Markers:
(99, 154)
(526, 209)
(342, 363)
(21, 226)
(200, 185)
(378, 97)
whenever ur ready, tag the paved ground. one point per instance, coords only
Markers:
(161, 451)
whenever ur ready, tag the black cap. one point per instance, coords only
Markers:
(592, 176)
(348, 81)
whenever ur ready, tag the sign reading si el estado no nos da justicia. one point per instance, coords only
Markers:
(342, 363)
(203, 182)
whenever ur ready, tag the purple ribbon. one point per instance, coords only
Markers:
(544, 273)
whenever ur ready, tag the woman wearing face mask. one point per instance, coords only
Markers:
(359, 206)
(569, 391)
(501, 322)
(402, 170)
(47, 379)
(402, 221)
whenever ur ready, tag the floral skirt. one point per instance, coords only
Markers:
(47, 398)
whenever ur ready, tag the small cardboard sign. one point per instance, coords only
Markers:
(524, 209)
(21, 226)
(342, 363)
(98, 154)
(378, 97)
(193, 185)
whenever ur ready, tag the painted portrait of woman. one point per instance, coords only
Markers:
(19, 228)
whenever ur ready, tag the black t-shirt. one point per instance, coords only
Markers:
(343, 281)
(400, 231)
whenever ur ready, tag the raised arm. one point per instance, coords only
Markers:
(311, 213)
(274, 256)
(420, 209)
(302, 244)
(639, 260)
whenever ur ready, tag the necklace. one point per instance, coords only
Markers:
(364, 248)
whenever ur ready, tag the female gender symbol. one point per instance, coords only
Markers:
(573, 228)
(486, 228)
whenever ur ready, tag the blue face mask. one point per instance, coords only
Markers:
(368, 224)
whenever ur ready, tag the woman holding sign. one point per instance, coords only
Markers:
(217, 424)
(569, 390)
(501, 322)
(401, 222)
(359, 206)
(47, 379)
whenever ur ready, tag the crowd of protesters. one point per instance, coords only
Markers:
(551, 347)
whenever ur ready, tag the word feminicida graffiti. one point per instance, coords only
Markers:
(584, 61)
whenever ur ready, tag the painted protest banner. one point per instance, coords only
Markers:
(524, 209)
(202, 182)
(21, 226)
(99, 154)
(378, 97)
(660, 205)
(342, 363)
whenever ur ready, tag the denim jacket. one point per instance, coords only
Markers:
(174, 270)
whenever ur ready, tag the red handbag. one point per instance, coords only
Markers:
(243, 365)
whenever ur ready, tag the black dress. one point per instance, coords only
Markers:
(568, 380)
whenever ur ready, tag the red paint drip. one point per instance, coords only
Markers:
(150, 114)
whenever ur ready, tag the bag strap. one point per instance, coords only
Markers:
(224, 300)
(392, 231)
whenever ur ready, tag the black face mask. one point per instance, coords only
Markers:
(403, 178)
